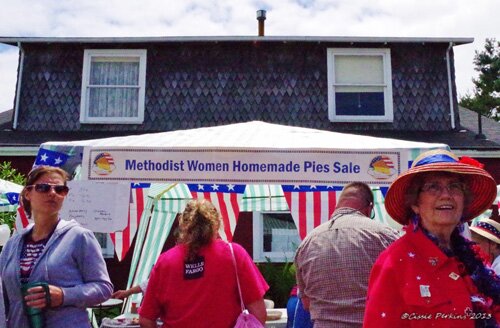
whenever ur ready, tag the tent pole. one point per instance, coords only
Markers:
(157, 198)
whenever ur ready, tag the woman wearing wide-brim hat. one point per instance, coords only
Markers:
(433, 276)
(486, 233)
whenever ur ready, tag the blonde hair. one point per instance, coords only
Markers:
(198, 226)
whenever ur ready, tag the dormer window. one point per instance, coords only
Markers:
(113, 86)
(359, 85)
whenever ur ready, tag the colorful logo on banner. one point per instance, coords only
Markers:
(381, 167)
(103, 164)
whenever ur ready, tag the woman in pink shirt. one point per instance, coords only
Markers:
(194, 283)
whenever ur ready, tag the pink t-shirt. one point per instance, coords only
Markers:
(202, 293)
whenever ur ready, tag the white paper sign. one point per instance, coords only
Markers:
(97, 206)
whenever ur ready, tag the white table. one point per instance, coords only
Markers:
(103, 308)
(132, 315)
(281, 323)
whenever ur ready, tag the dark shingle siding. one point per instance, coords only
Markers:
(50, 88)
(204, 84)
(420, 88)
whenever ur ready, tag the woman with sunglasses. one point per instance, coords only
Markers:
(434, 276)
(54, 251)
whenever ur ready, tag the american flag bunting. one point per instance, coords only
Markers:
(310, 206)
(226, 198)
(50, 157)
(123, 239)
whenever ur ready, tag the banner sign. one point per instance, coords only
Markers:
(251, 166)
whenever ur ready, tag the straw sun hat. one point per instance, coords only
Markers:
(481, 184)
(488, 229)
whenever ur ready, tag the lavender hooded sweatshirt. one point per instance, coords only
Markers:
(71, 260)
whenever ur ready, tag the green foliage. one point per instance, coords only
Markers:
(7, 172)
(280, 278)
(486, 96)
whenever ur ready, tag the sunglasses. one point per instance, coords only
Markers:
(44, 188)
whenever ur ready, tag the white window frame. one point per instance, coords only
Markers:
(258, 241)
(87, 60)
(108, 251)
(385, 53)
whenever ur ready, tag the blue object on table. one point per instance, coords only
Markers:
(291, 305)
(302, 317)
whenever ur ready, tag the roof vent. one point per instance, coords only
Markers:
(479, 134)
(261, 17)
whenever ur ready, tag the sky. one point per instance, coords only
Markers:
(130, 18)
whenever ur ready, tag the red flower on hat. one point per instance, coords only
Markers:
(471, 161)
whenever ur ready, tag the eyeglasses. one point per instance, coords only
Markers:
(372, 210)
(372, 213)
(434, 188)
(44, 188)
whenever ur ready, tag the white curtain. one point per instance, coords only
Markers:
(114, 88)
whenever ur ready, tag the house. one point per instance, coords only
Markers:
(80, 88)
(85, 88)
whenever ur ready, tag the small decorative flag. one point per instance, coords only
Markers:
(50, 157)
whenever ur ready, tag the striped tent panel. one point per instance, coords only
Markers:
(9, 195)
(381, 214)
(158, 216)
(170, 191)
(140, 239)
(6, 207)
(263, 198)
(149, 248)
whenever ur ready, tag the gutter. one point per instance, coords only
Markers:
(284, 39)
(19, 151)
(19, 86)
(450, 90)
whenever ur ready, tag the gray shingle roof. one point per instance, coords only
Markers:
(469, 120)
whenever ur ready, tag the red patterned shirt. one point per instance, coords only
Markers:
(30, 254)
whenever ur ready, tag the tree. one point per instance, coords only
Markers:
(486, 96)
(7, 172)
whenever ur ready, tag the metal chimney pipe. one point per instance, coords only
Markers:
(480, 134)
(261, 17)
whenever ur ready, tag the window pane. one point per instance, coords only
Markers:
(359, 103)
(114, 73)
(280, 233)
(106, 244)
(359, 70)
(113, 102)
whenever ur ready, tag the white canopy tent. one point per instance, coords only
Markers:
(258, 155)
